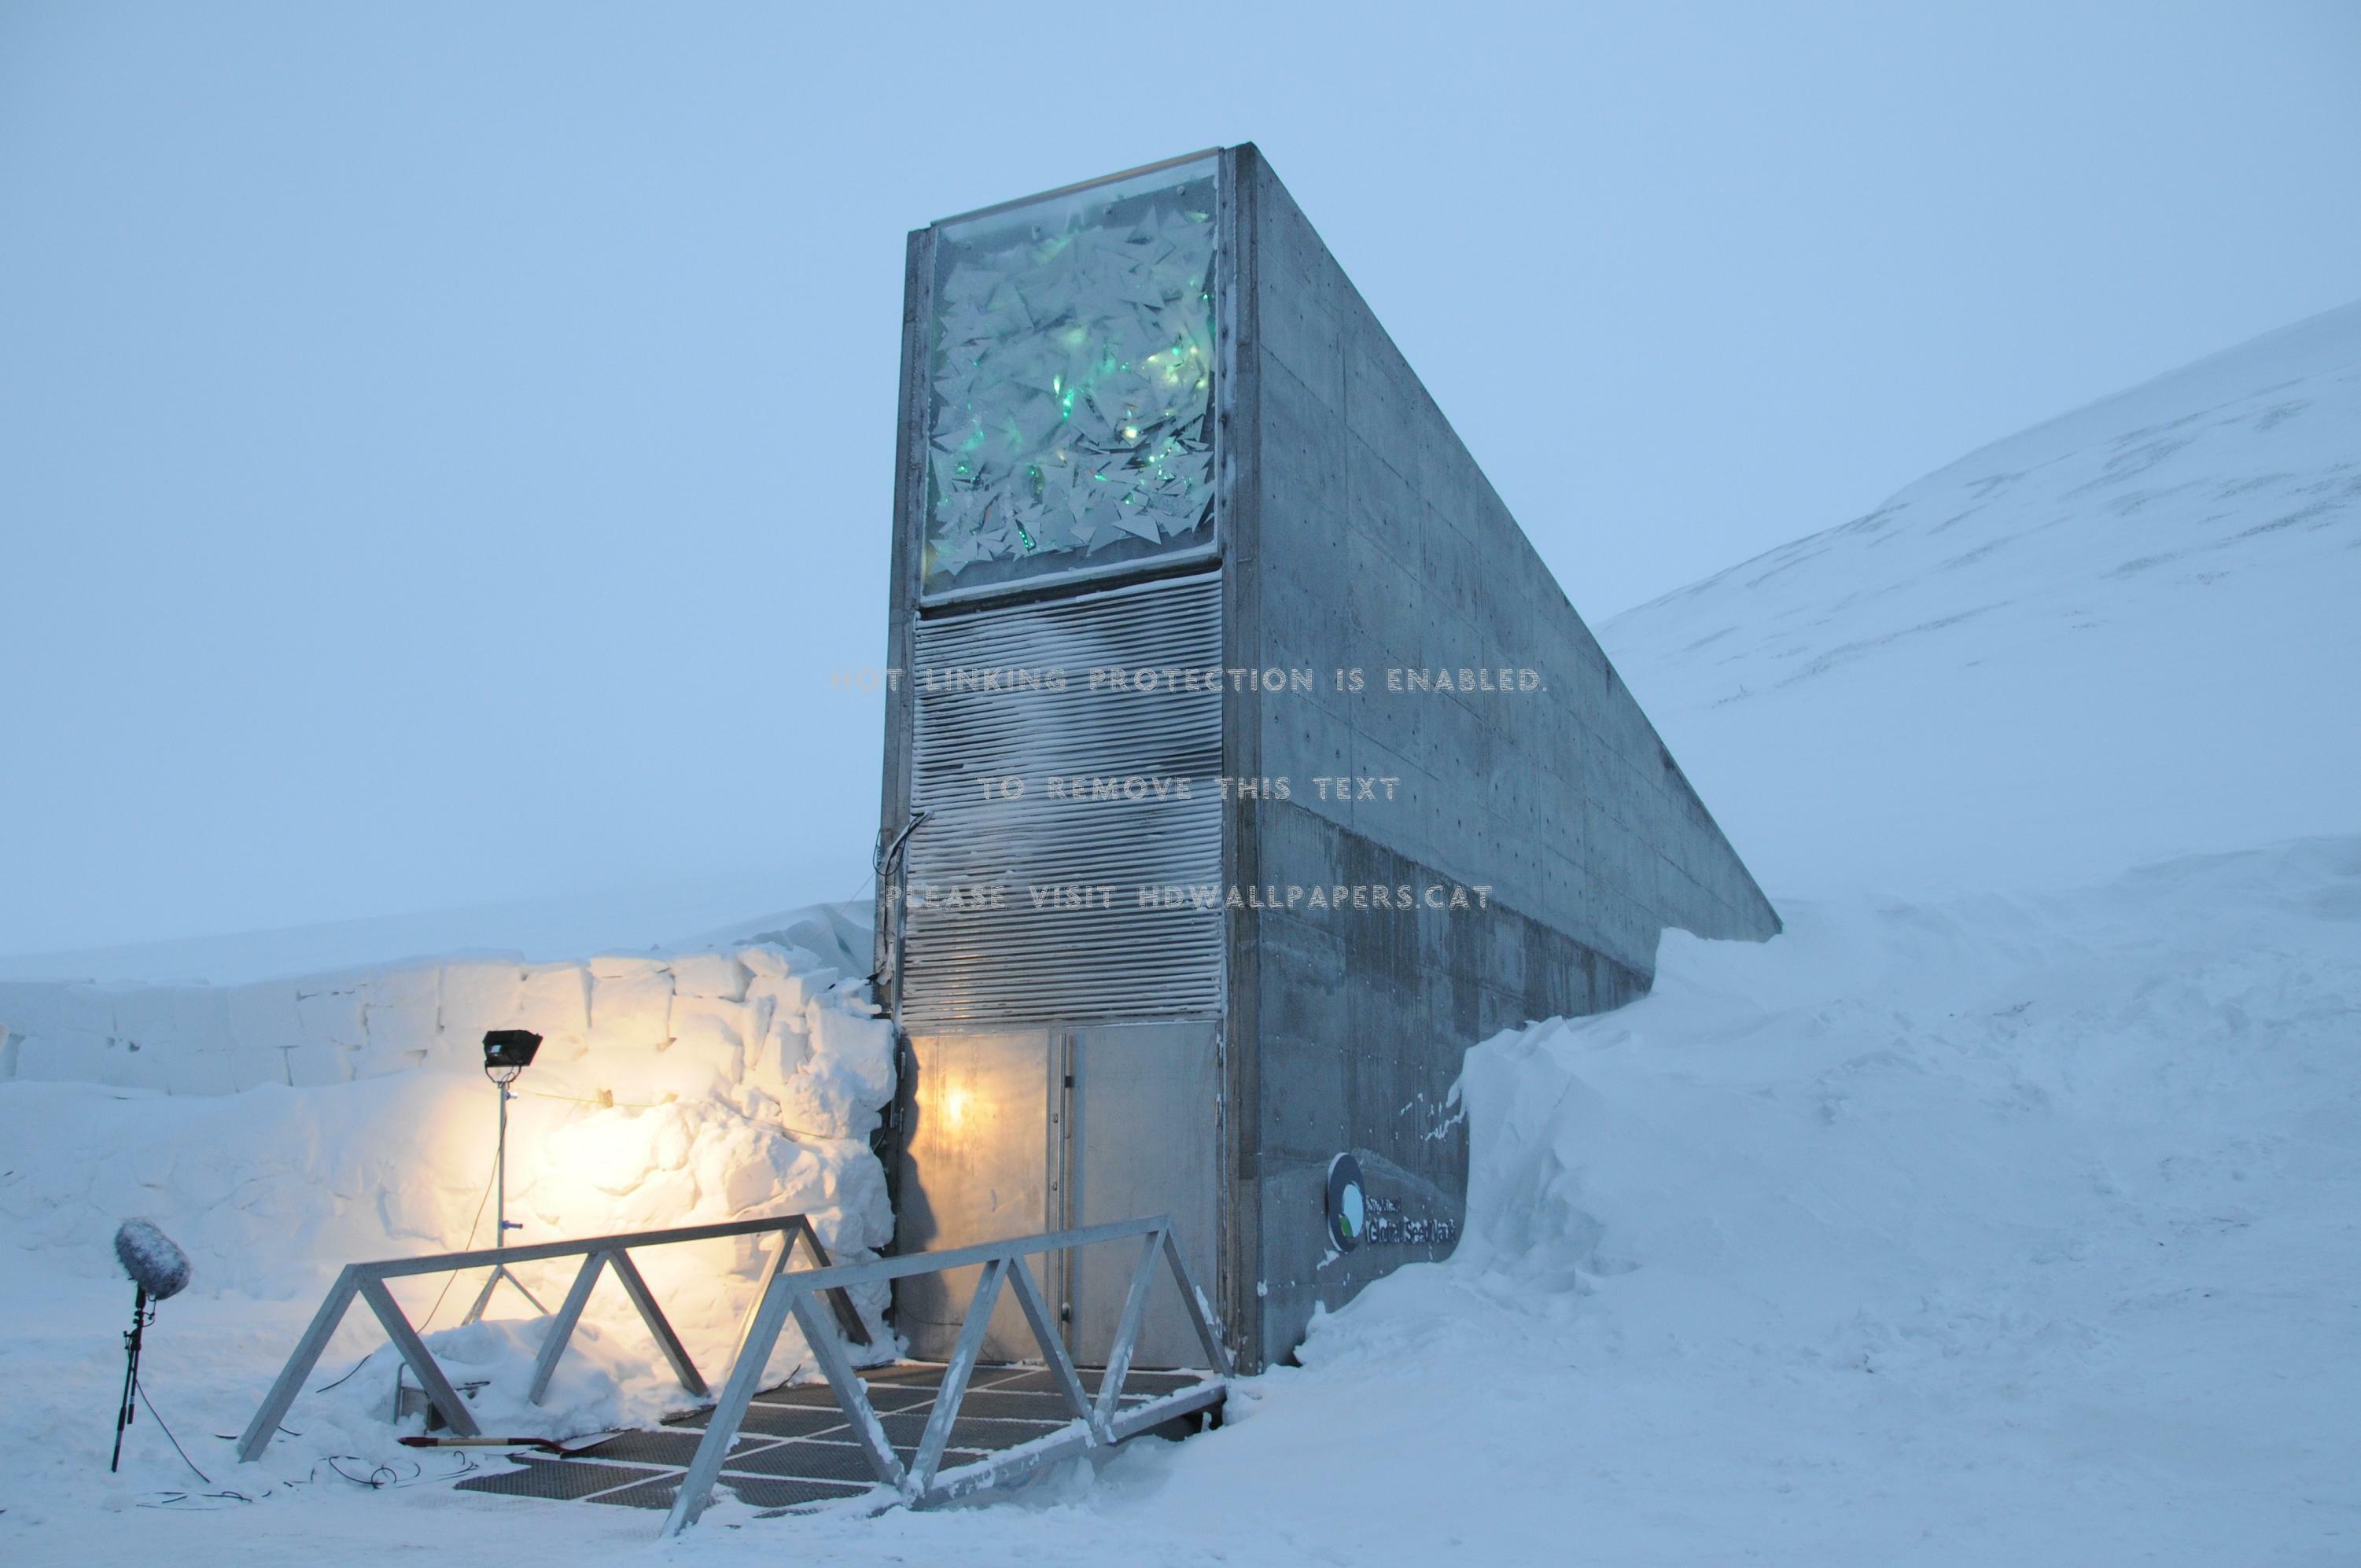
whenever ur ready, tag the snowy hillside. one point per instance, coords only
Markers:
(2131, 632)
(2004, 1209)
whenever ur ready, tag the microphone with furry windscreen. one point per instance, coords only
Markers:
(159, 1271)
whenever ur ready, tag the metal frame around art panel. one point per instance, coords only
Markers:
(367, 1282)
(917, 380)
(1097, 1423)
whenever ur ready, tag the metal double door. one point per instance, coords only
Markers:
(1010, 1132)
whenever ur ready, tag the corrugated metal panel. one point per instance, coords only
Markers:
(1017, 948)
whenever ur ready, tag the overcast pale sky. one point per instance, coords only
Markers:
(443, 449)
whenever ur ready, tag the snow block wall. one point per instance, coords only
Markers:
(767, 1019)
(282, 1129)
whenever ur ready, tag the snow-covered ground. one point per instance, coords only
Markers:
(2005, 1209)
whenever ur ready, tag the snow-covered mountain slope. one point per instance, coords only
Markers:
(2131, 632)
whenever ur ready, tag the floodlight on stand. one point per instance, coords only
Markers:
(507, 1053)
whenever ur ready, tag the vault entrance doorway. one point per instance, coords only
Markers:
(1011, 1131)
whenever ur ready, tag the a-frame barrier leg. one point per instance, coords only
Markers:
(1127, 1337)
(421, 1361)
(956, 1374)
(627, 1274)
(848, 1316)
(1200, 1314)
(258, 1431)
(851, 1393)
(729, 1412)
(561, 1328)
(1045, 1332)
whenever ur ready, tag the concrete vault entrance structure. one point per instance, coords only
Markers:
(1244, 767)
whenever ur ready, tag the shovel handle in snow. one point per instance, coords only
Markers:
(540, 1442)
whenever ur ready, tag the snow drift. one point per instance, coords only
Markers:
(1995, 1228)
(278, 1130)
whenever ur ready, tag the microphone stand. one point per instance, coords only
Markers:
(142, 1315)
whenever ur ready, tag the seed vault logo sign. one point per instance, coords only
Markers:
(1356, 1218)
(1347, 1208)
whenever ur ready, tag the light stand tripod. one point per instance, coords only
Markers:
(507, 1053)
(142, 1314)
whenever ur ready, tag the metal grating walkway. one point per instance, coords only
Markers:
(794, 1451)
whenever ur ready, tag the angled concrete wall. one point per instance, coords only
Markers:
(1356, 532)
(1363, 535)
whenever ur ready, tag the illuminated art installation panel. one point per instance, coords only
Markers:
(1071, 381)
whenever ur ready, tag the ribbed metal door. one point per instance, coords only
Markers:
(1143, 1136)
(1067, 755)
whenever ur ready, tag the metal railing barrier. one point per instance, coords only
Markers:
(367, 1281)
(1099, 1424)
